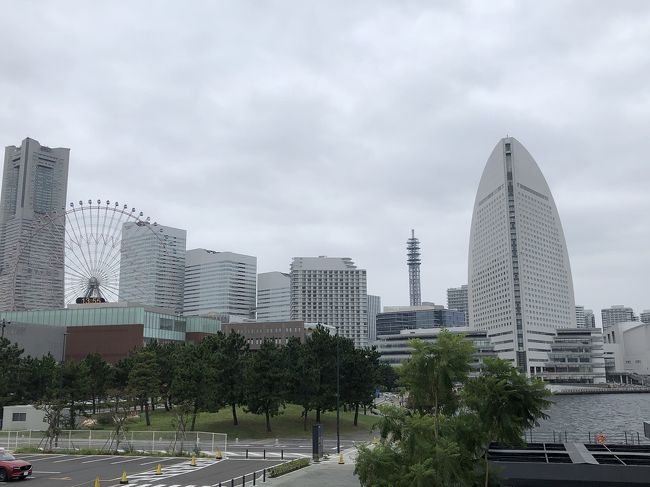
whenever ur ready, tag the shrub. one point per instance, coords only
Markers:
(288, 467)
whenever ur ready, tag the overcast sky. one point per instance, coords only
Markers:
(303, 128)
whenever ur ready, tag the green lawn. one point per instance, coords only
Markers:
(288, 424)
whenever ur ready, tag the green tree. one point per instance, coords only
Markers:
(144, 379)
(507, 403)
(433, 370)
(99, 372)
(74, 387)
(302, 376)
(188, 383)
(265, 378)
(320, 349)
(359, 375)
(10, 363)
(229, 365)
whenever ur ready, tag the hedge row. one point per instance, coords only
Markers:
(288, 467)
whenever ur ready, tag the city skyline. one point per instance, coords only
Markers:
(233, 161)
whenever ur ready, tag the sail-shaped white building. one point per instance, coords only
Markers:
(520, 287)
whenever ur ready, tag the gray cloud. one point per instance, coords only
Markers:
(329, 128)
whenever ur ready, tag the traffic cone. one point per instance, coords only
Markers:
(97, 482)
(193, 462)
(341, 461)
(218, 455)
(158, 470)
(124, 480)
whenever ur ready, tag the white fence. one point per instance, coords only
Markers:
(169, 442)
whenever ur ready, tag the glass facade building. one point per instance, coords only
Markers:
(414, 317)
(158, 324)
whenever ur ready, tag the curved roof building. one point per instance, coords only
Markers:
(520, 288)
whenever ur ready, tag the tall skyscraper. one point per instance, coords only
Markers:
(374, 308)
(220, 283)
(457, 299)
(520, 286)
(34, 183)
(331, 291)
(152, 265)
(617, 314)
(273, 296)
(413, 261)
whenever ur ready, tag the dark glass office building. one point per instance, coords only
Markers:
(392, 322)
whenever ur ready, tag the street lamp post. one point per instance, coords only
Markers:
(338, 432)
(4, 323)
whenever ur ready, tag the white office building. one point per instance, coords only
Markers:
(34, 184)
(152, 265)
(374, 308)
(273, 296)
(221, 284)
(520, 288)
(331, 291)
(645, 316)
(457, 299)
(580, 316)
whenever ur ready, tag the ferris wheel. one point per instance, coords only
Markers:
(87, 255)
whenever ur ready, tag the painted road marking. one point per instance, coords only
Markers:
(126, 461)
(73, 458)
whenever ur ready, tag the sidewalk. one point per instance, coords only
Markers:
(327, 472)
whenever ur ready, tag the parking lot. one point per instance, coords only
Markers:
(82, 470)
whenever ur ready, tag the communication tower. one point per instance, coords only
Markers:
(413, 261)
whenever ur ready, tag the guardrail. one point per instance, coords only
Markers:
(619, 438)
(105, 440)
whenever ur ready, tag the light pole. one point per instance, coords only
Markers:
(338, 432)
(4, 323)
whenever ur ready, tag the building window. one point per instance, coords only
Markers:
(19, 417)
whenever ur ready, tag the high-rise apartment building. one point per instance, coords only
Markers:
(273, 296)
(331, 291)
(374, 308)
(580, 316)
(590, 319)
(617, 314)
(520, 287)
(457, 299)
(152, 265)
(220, 283)
(34, 183)
(645, 316)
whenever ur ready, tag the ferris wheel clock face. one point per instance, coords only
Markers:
(79, 255)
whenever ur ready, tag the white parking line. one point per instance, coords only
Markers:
(44, 472)
(130, 460)
(99, 459)
(158, 461)
(73, 458)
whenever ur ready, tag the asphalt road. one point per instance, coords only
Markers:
(82, 470)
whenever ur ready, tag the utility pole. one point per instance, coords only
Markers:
(4, 323)
(338, 432)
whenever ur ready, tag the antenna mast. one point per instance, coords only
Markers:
(413, 261)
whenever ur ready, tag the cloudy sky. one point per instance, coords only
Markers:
(300, 128)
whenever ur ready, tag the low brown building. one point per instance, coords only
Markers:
(277, 331)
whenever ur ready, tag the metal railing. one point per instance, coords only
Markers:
(590, 437)
(168, 442)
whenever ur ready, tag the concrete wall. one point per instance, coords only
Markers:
(113, 342)
(34, 419)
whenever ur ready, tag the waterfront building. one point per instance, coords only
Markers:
(457, 299)
(590, 319)
(220, 284)
(627, 348)
(576, 355)
(152, 265)
(111, 329)
(374, 308)
(331, 291)
(394, 319)
(645, 316)
(395, 348)
(520, 288)
(34, 184)
(617, 314)
(273, 296)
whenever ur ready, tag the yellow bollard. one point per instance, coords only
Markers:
(124, 480)
(193, 462)
(97, 482)
(218, 455)
(341, 461)
(158, 470)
